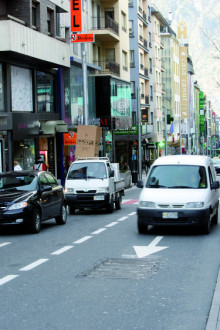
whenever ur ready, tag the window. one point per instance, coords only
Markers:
(123, 22)
(50, 17)
(45, 92)
(132, 62)
(132, 89)
(1, 90)
(131, 31)
(21, 89)
(51, 181)
(141, 61)
(124, 61)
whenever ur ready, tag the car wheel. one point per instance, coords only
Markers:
(215, 218)
(142, 229)
(61, 219)
(118, 202)
(207, 227)
(35, 225)
(110, 207)
(72, 210)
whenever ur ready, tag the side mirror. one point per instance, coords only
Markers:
(112, 173)
(215, 185)
(140, 183)
(45, 188)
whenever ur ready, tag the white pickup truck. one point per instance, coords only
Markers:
(94, 183)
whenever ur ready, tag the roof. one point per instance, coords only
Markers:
(183, 160)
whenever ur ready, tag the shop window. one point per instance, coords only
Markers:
(21, 89)
(45, 92)
(1, 90)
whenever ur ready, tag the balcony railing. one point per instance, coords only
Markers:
(102, 23)
(108, 66)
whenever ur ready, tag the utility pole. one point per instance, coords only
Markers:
(139, 134)
(85, 85)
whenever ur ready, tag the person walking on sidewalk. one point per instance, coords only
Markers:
(39, 164)
(147, 164)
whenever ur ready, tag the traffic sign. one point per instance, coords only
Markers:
(88, 37)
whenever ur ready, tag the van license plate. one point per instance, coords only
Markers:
(170, 215)
(99, 198)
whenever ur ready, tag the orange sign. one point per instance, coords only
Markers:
(76, 19)
(89, 37)
(69, 138)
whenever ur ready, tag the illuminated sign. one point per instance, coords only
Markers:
(76, 19)
(89, 37)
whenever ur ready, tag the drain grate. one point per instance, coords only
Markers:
(124, 269)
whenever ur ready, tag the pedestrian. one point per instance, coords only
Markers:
(39, 164)
(17, 167)
(147, 164)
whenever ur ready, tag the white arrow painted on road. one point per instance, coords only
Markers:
(144, 251)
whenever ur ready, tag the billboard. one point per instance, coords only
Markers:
(75, 14)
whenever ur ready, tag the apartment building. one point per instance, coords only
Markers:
(103, 68)
(32, 57)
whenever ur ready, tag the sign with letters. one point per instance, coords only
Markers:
(89, 37)
(76, 15)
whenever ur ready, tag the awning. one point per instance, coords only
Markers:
(54, 126)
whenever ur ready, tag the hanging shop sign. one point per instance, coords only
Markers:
(88, 37)
(76, 15)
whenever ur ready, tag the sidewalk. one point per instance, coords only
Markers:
(214, 315)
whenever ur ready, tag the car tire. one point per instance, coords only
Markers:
(215, 218)
(72, 210)
(62, 218)
(110, 207)
(118, 202)
(142, 229)
(35, 225)
(207, 227)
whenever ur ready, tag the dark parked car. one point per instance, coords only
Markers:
(30, 197)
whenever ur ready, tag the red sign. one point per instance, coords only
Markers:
(70, 138)
(75, 12)
(82, 37)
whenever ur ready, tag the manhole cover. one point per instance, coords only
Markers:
(124, 268)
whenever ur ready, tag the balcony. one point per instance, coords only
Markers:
(19, 40)
(108, 67)
(105, 29)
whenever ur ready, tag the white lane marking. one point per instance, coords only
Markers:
(111, 224)
(3, 244)
(7, 279)
(122, 219)
(81, 240)
(135, 203)
(132, 213)
(33, 264)
(64, 249)
(144, 251)
(98, 231)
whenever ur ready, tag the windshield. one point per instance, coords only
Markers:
(93, 170)
(13, 182)
(177, 176)
(216, 161)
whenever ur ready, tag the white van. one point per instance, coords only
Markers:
(180, 190)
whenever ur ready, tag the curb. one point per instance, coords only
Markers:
(213, 322)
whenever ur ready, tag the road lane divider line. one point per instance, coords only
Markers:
(111, 224)
(62, 250)
(5, 243)
(33, 264)
(98, 231)
(81, 240)
(122, 219)
(7, 279)
(132, 213)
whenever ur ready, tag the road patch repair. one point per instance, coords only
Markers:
(125, 268)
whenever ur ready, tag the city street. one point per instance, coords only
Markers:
(91, 274)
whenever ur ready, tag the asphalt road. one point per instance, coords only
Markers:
(86, 274)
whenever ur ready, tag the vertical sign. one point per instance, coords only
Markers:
(183, 82)
(75, 11)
